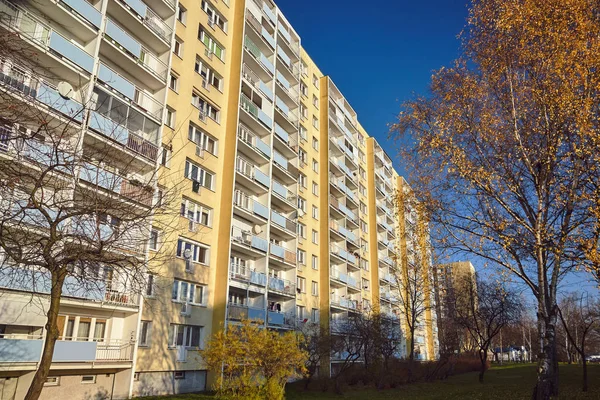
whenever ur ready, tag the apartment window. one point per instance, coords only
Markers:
(184, 335)
(52, 381)
(364, 264)
(301, 204)
(301, 257)
(366, 304)
(181, 14)
(86, 379)
(315, 237)
(211, 45)
(174, 82)
(302, 156)
(361, 139)
(303, 89)
(154, 239)
(199, 253)
(315, 262)
(315, 188)
(315, 288)
(214, 18)
(315, 212)
(179, 374)
(144, 340)
(315, 81)
(362, 172)
(178, 47)
(363, 208)
(303, 111)
(199, 175)
(363, 226)
(208, 75)
(170, 118)
(366, 284)
(302, 180)
(315, 165)
(304, 68)
(151, 285)
(314, 315)
(303, 133)
(196, 212)
(361, 156)
(362, 189)
(165, 157)
(300, 312)
(186, 292)
(315, 122)
(206, 108)
(302, 230)
(315, 101)
(315, 143)
(364, 245)
(202, 139)
(301, 284)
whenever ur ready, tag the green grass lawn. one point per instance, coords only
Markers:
(510, 382)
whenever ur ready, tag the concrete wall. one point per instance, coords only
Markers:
(164, 382)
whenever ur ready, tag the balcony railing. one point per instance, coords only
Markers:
(150, 19)
(252, 140)
(86, 10)
(283, 286)
(256, 82)
(135, 50)
(284, 222)
(242, 200)
(283, 254)
(254, 50)
(246, 238)
(113, 182)
(252, 109)
(238, 312)
(250, 171)
(243, 273)
(284, 193)
(338, 276)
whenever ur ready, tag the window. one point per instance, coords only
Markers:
(179, 375)
(214, 18)
(301, 284)
(362, 172)
(301, 204)
(154, 239)
(363, 208)
(315, 212)
(361, 138)
(52, 381)
(314, 315)
(315, 165)
(178, 47)
(199, 253)
(366, 304)
(361, 156)
(315, 237)
(302, 230)
(362, 189)
(184, 335)
(303, 111)
(363, 226)
(315, 188)
(181, 13)
(88, 379)
(315, 262)
(206, 109)
(364, 264)
(302, 156)
(315, 101)
(315, 123)
(196, 212)
(197, 174)
(365, 284)
(209, 77)
(186, 292)
(212, 47)
(165, 157)
(301, 257)
(151, 285)
(202, 139)
(315, 288)
(364, 245)
(315, 81)
(302, 180)
(303, 133)
(315, 143)
(303, 89)
(174, 82)
(170, 118)
(300, 312)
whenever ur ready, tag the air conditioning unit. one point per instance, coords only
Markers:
(186, 309)
(193, 227)
(199, 152)
(208, 54)
(211, 22)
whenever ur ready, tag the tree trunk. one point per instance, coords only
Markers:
(585, 374)
(547, 382)
(482, 359)
(37, 384)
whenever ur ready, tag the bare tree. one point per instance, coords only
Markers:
(580, 316)
(317, 345)
(487, 308)
(507, 152)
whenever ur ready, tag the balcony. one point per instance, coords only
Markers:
(247, 240)
(253, 79)
(253, 141)
(282, 286)
(251, 206)
(29, 350)
(258, 55)
(278, 319)
(253, 176)
(290, 94)
(293, 45)
(143, 22)
(112, 182)
(289, 117)
(243, 273)
(338, 276)
(255, 111)
(286, 198)
(124, 50)
(282, 254)
(239, 312)
(286, 225)
(290, 68)
(342, 253)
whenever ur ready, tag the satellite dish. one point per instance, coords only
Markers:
(257, 229)
(65, 90)
(187, 254)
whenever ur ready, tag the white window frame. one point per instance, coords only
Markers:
(315, 262)
(197, 210)
(201, 138)
(192, 290)
(201, 177)
(157, 244)
(195, 247)
(314, 290)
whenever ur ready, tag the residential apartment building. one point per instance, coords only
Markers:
(282, 207)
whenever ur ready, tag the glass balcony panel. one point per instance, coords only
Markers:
(263, 147)
(281, 160)
(280, 189)
(284, 82)
(284, 33)
(116, 81)
(268, 64)
(265, 119)
(258, 278)
(108, 127)
(259, 243)
(282, 106)
(256, 314)
(86, 10)
(53, 99)
(262, 178)
(275, 318)
(278, 219)
(282, 133)
(277, 251)
(269, 13)
(266, 90)
(138, 6)
(260, 209)
(267, 36)
(284, 57)
(70, 51)
(123, 38)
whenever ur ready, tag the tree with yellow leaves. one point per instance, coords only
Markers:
(506, 149)
(255, 362)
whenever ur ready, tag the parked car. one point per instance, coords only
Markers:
(594, 359)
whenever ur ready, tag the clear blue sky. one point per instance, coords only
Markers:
(378, 52)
